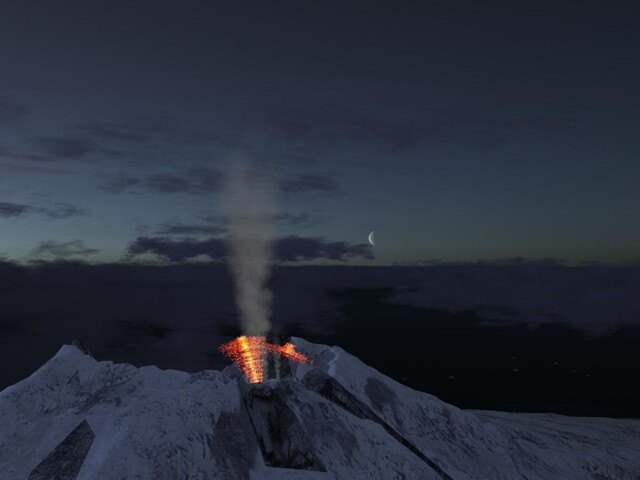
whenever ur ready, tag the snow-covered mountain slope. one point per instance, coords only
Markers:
(336, 418)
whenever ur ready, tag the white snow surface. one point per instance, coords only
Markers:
(166, 424)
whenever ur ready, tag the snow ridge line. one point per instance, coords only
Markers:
(332, 390)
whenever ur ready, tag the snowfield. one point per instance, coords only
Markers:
(336, 418)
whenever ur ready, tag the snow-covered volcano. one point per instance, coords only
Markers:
(336, 418)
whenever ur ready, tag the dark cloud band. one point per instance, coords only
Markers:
(287, 249)
(57, 210)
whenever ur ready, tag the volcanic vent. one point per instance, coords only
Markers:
(251, 354)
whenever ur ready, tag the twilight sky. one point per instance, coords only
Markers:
(457, 130)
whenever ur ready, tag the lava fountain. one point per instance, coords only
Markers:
(249, 352)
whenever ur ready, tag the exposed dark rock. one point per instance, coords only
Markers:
(381, 396)
(273, 365)
(285, 367)
(234, 443)
(331, 389)
(65, 461)
(80, 346)
(281, 437)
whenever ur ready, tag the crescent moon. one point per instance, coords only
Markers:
(372, 238)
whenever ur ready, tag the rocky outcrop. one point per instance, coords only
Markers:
(280, 435)
(65, 461)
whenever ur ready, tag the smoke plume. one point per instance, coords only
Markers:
(251, 232)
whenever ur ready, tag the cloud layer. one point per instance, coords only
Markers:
(52, 250)
(286, 249)
(58, 210)
(592, 298)
(200, 181)
(195, 181)
(309, 183)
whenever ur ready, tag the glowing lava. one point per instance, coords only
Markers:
(289, 350)
(249, 353)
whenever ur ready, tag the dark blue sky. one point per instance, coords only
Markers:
(457, 130)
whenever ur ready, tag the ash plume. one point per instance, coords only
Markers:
(250, 210)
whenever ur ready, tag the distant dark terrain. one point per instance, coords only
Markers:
(504, 354)
(550, 368)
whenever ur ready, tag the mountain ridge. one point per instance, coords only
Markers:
(334, 418)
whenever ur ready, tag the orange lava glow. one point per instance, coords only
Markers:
(249, 352)
(289, 350)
